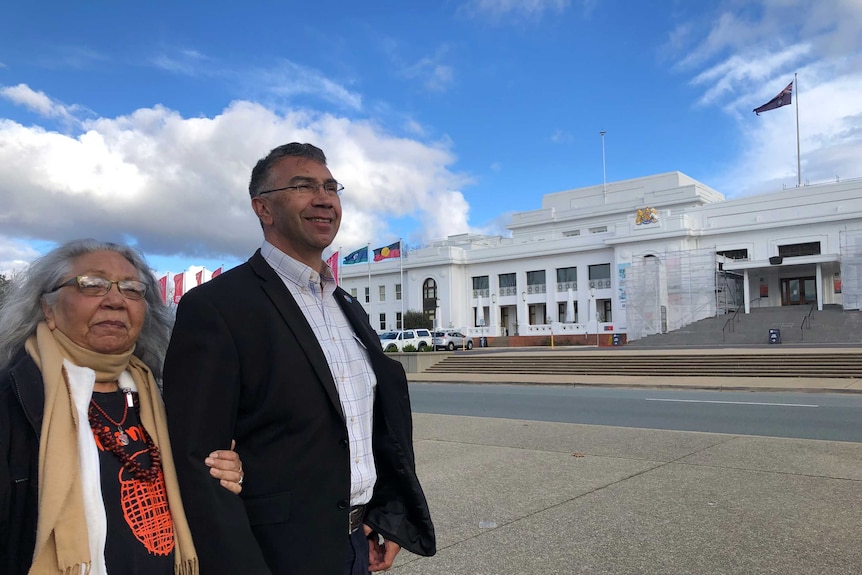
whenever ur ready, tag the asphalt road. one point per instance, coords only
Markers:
(824, 416)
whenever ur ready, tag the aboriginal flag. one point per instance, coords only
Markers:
(386, 252)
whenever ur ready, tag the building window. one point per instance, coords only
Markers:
(398, 320)
(567, 278)
(604, 309)
(600, 276)
(429, 299)
(397, 292)
(571, 233)
(562, 312)
(507, 284)
(353, 292)
(536, 281)
(480, 286)
(734, 254)
(599, 230)
(797, 250)
(367, 295)
(382, 293)
(382, 322)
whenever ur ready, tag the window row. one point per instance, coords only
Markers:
(599, 276)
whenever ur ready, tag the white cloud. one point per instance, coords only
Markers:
(14, 256)
(533, 9)
(39, 102)
(430, 70)
(187, 62)
(175, 185)
(746, 53)
(288, 79)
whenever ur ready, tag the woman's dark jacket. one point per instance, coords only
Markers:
(22, 399)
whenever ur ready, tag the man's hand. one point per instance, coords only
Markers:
(381, 553)
(227, 468)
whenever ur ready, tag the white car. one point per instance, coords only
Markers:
(451, 340)
(397, 340)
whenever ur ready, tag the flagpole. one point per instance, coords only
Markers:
(798, 154)
(337, 283)
(401, 263)
(370, 299)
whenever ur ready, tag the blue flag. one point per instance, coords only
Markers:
(357, 257)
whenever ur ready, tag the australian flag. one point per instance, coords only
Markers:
(782, 99)
(357, 257)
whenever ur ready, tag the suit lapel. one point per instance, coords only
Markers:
(292, 315)
(357, 318)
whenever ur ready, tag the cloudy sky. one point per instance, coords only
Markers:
(140, 122)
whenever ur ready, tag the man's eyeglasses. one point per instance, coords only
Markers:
(310, 188)
(96, 286)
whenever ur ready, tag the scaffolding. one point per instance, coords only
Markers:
(851, 269)
(669, 291)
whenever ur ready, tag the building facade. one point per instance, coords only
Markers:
(635, 257)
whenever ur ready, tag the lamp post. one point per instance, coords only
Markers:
(495, 321)
(551, 323)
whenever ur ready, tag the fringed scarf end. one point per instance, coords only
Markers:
(187, 567)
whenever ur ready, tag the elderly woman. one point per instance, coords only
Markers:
(87, 480)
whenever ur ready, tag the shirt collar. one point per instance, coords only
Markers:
(294, 271)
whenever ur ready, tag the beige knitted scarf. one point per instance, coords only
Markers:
(62, 544)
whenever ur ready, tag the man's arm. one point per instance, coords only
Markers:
(201, 392)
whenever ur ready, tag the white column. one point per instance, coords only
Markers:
(819, 286)
(746, 291)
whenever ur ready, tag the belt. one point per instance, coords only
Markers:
(355, 518)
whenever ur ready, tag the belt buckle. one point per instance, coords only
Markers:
(354, 518)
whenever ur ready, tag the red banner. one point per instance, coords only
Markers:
(163, 289)
(199, 277)
(333, 263)
(216, 273)
(178, 287)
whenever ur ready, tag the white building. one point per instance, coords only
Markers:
(638, 256)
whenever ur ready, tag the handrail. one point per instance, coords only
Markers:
(730, 322)
(806, 322)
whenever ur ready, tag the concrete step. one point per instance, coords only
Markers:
(820, 365)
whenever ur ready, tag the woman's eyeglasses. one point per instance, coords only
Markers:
(96, 286)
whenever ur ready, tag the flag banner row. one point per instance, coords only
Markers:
(332, 262)
(180, 284)
(360, 256)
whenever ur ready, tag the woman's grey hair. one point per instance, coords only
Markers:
(21, 309)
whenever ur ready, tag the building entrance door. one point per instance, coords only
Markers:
(798, 291)
(505, 322)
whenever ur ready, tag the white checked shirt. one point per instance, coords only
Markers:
(346, 356)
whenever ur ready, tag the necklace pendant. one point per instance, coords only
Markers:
(122, 437)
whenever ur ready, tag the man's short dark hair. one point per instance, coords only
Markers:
(260, 174)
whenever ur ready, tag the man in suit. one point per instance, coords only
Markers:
(274, 354)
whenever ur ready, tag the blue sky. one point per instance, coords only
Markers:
(140, 122)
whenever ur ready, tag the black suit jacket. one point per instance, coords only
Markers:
(243, 363)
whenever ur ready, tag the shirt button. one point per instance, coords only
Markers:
(343, 504)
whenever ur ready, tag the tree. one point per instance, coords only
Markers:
(417, 319)
(5, 283)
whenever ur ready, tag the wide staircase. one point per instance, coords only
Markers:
(798, 325)
(813, 344)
